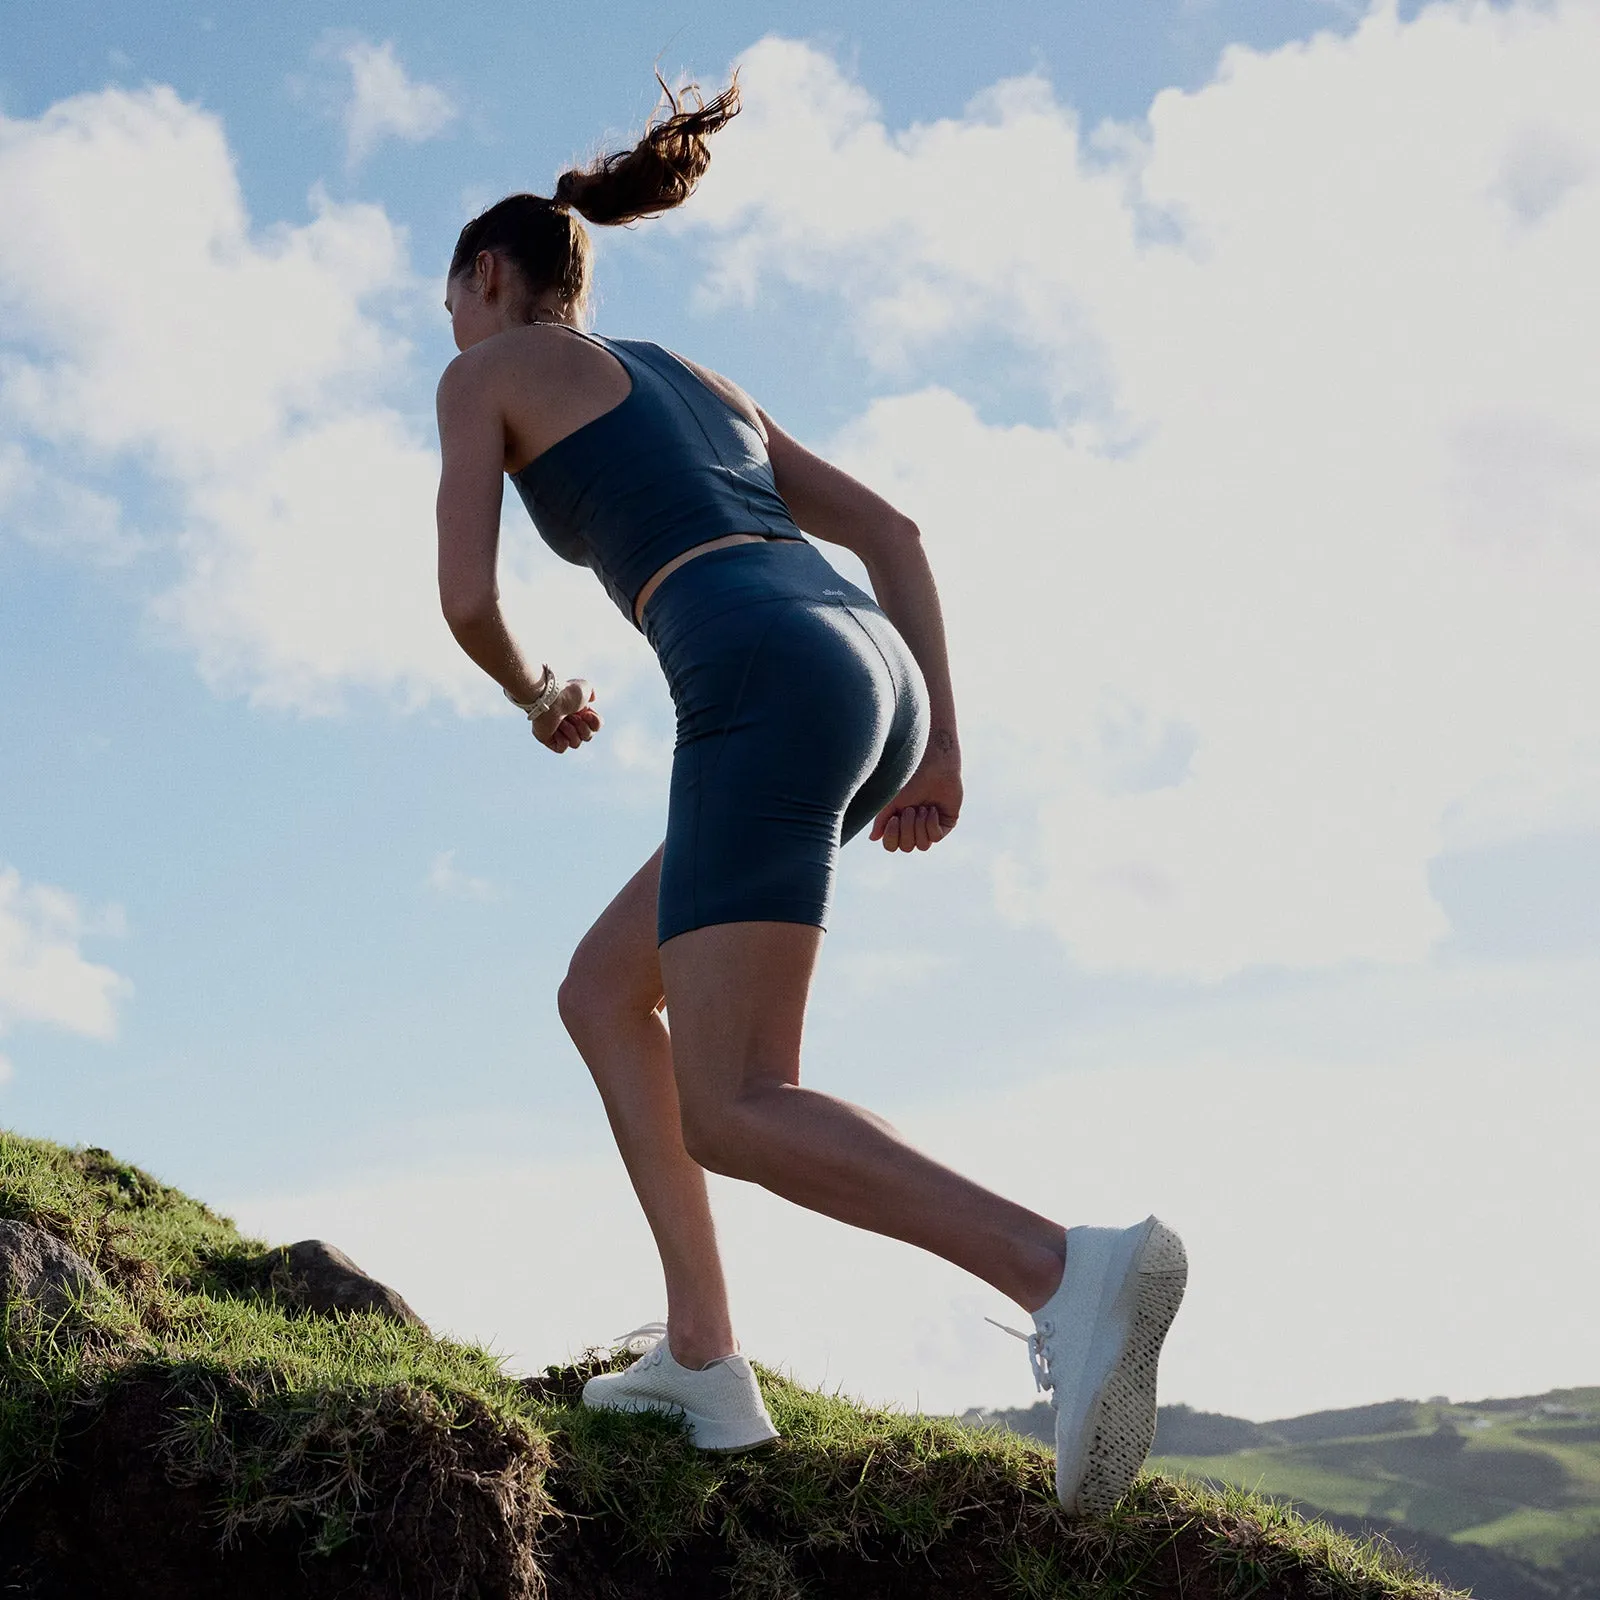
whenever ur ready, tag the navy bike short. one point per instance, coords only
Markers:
(801, 713)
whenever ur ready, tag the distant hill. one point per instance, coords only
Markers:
(1500, 1496)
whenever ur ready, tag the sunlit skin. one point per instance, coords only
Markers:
(721, 1091)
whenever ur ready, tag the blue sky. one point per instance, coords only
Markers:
(1234, 358)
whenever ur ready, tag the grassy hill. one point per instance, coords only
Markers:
(1520, 1475)
(1502, 1493)
(182, 1426)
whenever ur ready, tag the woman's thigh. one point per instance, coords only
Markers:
(736, 1003)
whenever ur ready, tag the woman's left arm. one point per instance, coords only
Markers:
(836, 507)
(472, 459)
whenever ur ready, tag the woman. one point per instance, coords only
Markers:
(806, 709)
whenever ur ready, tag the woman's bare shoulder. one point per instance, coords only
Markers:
(536, 375)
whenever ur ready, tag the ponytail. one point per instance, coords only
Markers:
(550, 246)
(661, 171)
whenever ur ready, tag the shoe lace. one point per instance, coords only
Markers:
(1038, 1355)
(642, 1340)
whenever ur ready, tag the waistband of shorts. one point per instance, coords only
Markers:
(742, 575)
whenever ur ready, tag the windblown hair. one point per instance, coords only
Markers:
(550, 246)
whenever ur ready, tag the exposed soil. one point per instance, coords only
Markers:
(113, 1525)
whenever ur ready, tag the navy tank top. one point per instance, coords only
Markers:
(669, 467)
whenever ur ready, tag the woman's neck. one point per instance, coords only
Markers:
(549, 309)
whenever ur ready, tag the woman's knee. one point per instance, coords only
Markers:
(720, 1136)
(710, 1141)
(571, 997)
(600, 991)
(614, 976)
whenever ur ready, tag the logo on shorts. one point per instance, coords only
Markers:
(837, 594)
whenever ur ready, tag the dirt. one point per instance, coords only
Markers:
(113, 1525)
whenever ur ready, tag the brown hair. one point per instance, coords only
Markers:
(550, 246)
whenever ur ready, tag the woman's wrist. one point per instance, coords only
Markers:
(536, 702)
(943, 746)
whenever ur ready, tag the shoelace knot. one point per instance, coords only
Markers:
(1038, 1356)
(647, 1337)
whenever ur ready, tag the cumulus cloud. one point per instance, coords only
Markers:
(249, 377)
(447, 879)
(385, 104)
(1289, 585)
(870, 973)
(44, 976)
(43, 508)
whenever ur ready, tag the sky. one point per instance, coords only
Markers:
(1237, 361)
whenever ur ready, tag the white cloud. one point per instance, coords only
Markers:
(447, 879)
(46, 509)
(44, 976)
(868, 973)
(636, 747)
(248, 372)
(1541, 168)
(1293, 585)
(385, 104)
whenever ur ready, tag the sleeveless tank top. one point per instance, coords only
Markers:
(669, 467)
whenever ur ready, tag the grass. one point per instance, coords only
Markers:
(335, 1432)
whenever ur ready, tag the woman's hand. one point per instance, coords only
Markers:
(927, 808)
(571, 721)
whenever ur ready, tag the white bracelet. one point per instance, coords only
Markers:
(550, 688)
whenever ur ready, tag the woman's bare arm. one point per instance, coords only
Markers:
(834, 506)
(472, 452)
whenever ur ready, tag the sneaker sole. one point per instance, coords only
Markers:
(1120, 1422)
(706, 1433)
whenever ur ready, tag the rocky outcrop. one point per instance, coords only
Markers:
(318, 1277)
(37, 1268)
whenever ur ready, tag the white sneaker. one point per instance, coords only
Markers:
(721, 1403)
(1095, 1345)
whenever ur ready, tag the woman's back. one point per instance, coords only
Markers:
(671, 465)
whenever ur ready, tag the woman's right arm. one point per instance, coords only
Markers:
(472, 456)
(834, 506)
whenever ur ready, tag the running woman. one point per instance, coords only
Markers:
(807, 709)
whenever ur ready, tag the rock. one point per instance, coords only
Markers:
(325, 1280)
(36, 1266)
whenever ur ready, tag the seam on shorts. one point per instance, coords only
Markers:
(888, 666)
(744, 684)
(702, 774)
(899, 695)
(694, 837)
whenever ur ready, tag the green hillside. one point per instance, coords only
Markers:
(1519, 1475)
(179, 1417)
(1517, 1480)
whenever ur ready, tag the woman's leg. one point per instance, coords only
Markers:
(610, 1003)
(736, 993)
